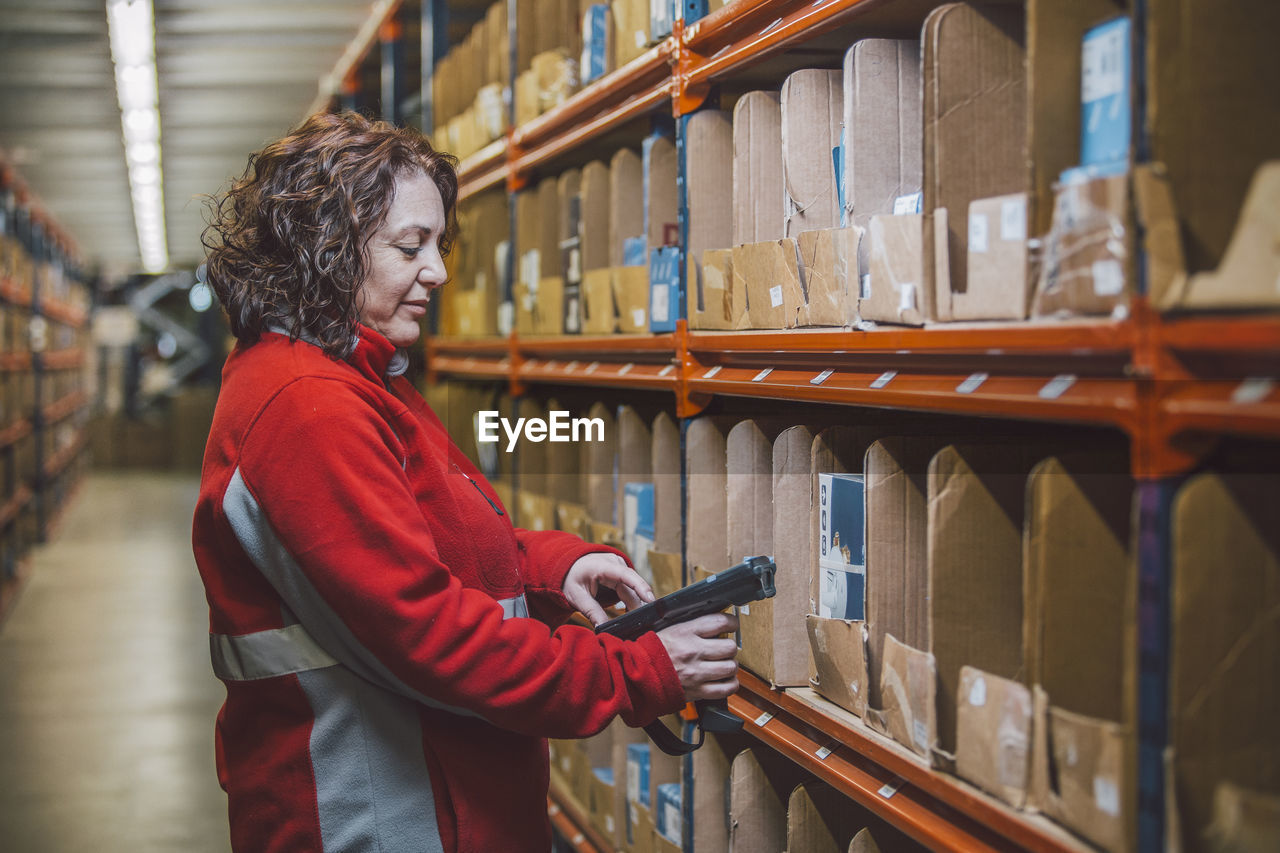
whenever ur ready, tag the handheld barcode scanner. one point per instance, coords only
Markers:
(750, 580)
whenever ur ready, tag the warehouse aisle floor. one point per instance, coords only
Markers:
(107, 701)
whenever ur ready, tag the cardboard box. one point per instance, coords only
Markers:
(601, 457)
(993, 723)
(882, 130)
(749, 474)
(760, 786)
(637, 526)
(829, 273)
(1211, 100)
(569, 234)
(635, 460)
(1250, 268)
(667, 572)
(1106, 98)
(706, 542)
(908, 689)
(631, 298)
(630, 30)
(626, 218)
(838, 648)
(660, 164)
(573, 518)
(775, 643)
(812, 106)
(600, 313)
(709, 185)
(712, 791)
(757, 168)
(896, 290)
(557, 78)
(718, 303)
(527, 102)
(975, 125)
(595, 216)
(597, 42)
(769, 274)
(548, 307)
(997, 275)
(821, 819)
(668, 812)
(976, 508)
(1225, 642)
(1088, 256)
(601, 802)
(1244, 819)
(497, 50)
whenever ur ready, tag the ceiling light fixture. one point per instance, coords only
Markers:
(133, 50)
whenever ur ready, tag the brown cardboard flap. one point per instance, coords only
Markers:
(711, 774)
(595, 215)
(603, 533)
(840, 661)
(820, 819)
(812, 107)
(706, 541)
(760, 785)
(635, 459)
(1088, 264)
(908, 689)
(829, 272)
(757, 168)
(548, 307)
(863, 842)
(769, 273)
(1161, 239)
(791, 506)
(626, 218)
(666, 572)
(601, 457)
(556, 75)
(896, 292)
(997, 277)
(662, 207)
(600, 313)
(1244, 819)
(1225, 641)
(714, 307)
(749, 496)
(631, 298)
(536, 512)
(993, 748)
(573, 518)
(1249, 275)
(668, 523)
(709, 177)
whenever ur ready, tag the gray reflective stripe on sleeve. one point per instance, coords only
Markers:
(512, 607)
(373, 789)
(277, 565)
(266, 654)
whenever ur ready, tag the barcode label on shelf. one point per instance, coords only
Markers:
(710, 374)
(625, 369)
(1255, 389)
(1057, 386)
(666, 371)
(592, 367)
(821, 377)
(973, 383)
(884, 379)
(823, 753)
(578, 840)
(551, 365)
(762, 374)
(888, 789)
(553, 810)
(573, 365)
(764, 718)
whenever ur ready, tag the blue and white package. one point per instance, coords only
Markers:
(664, 288)
(637, 525)
(595, 42)
(668, 817)
(1105, 121)
(842, 561)
(638, 755)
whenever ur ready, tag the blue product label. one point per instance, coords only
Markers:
(1104, 94)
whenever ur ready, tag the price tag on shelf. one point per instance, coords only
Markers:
(888, 789)
(625, 369)
(551, 365)
(821, 377)
(764, 718)
(592, 367)
(762, 374)
(571, 366)
(505, 363)
(973, 383)
(469, 361)
(1057, 386)
(666, 371)
(884, 379)
(823, 753)
(711, 373)
(1255, 389)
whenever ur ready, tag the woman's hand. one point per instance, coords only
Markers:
(588, 574)
(704, 661)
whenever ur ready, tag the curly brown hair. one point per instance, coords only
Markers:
(286, 243)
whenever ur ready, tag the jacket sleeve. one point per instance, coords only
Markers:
(545, 559)
(323, 507)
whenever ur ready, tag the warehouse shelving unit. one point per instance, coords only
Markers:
(1174, 385)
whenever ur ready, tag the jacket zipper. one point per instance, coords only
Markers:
(496, 508)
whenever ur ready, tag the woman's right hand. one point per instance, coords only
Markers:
(703, 660)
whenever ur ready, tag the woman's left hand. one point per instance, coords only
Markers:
(588, 574)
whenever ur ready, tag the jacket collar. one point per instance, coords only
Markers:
(373, 355)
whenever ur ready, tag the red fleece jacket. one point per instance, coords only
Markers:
(366, 590)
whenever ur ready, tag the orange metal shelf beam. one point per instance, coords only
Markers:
(15, 432)
(11, 362)
(473, 367)
(482, 170)
(9, 511)
(468, 346)
(63, 313)
(64, 457)
(63, 359)
(1222, 333)
(938, 811)
(650, 377)
(59, 409)
(608, 347)
(574, 827)
(14, 293)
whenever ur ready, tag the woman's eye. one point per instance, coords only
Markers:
(410, 251)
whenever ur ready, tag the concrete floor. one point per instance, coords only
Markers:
(107, 700)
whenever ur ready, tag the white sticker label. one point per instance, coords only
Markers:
(573, 365)
(1106, 794)
(1108, 278)
(640, 38)
(661, 304)
(920, 733)
(888, 789)
(666, 371)
(905, 204)
(1013, 220)
(711, 373)
(633, 781)
(821, 377)
(775, 296)
(592, 367)
(608, 824)
(973, 383)
(637, 316)
(823, 753)
(907, 297)
(625, 369)
(745, 610)
(978, 232)
(884, 379)
(672, 814)
(1253, 390)
(866, 286)
(978, 692)
(762, 374)
(764, 718)
(1057, 386)
(1103, 66)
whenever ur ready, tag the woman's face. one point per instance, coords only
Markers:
(405, 265)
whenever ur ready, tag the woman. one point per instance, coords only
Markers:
(369, 598)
